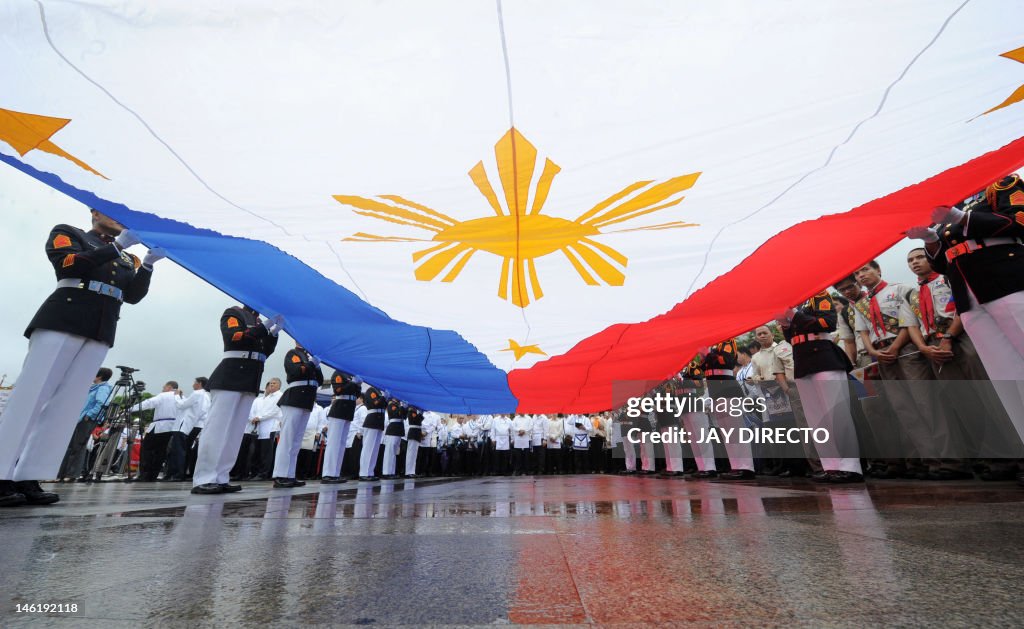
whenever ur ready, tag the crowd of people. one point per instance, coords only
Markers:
(861, 364)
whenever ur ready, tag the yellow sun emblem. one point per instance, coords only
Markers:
(519, 235)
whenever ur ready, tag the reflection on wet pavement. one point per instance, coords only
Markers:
(568, 549)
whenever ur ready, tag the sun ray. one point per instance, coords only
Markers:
(397, 221)
(654, 194)
(534, 280)
(606, 250)
(604, 222)
(459, 265)
(433, 265)
(503, 279)
(544, 185)
(630, 189)
(419, 254)
(516, 159)
(364, 237)
(432, 212)
(371, 205)
(587, 277)
(658, 227)
(479, 176)
(611, 275)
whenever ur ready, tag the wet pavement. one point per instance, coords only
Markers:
(583, 550)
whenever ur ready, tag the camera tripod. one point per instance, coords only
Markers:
(126, 394)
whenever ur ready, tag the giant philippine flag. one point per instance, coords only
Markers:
(489, 206)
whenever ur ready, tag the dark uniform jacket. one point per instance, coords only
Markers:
(718, 371)
(992, 271)
(375, 404)
(298, 368)
(665, 418)
(345, 394)
(395, 411)
(86, 256)
(817, 316)
(415, 422)
(242, 332)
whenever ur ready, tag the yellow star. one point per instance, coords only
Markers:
(1018, 94)
(522, 350)
(28, 132)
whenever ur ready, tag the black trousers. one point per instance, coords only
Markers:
(425, 461)
(596, 454)
(553, 460)
(520, 460)
(153, 454)
(244, 461)
(539, 454)
(265, 451)
(191, 451)
(305, 465)
(176, 455)
(501, 460)
(581, 461)
(74, 461)
(350, 465)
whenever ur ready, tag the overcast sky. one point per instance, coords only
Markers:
(172, 334)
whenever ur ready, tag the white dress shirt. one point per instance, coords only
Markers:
(502, 432)
(522, 431)
(192, 411)
(165, 411)
(266, 409)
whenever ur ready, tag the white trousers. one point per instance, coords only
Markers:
(647, 456)
(392, 444)
(673, 452)
(334, 453)
(293, 425)
(740, 456)
(45, 406)
(226, 422)
(698, 424)
(997, 330)
(629, 448)
(826, 399)
(412, 449)
(371, 448)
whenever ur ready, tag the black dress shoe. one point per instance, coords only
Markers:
(785, 474)
(297, 483)
(284, 483)
(820, 477)
(953, 475)
(208, 488)
(705, 474)
(1020, 479)
(411, 477)
(996, 475)
(737, 475)
(394, 476)
(9, 496)
(368, 478)
(34, 494)
(230, 489)
(174, 479)
(836, 477)
(331, 480)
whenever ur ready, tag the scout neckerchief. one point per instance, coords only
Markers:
(927, 306)
(877, 321)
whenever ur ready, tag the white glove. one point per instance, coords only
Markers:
(946, 214)
(154, 254)
(126, 239)
(927, 234)
(315, 360)
(274, 324)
